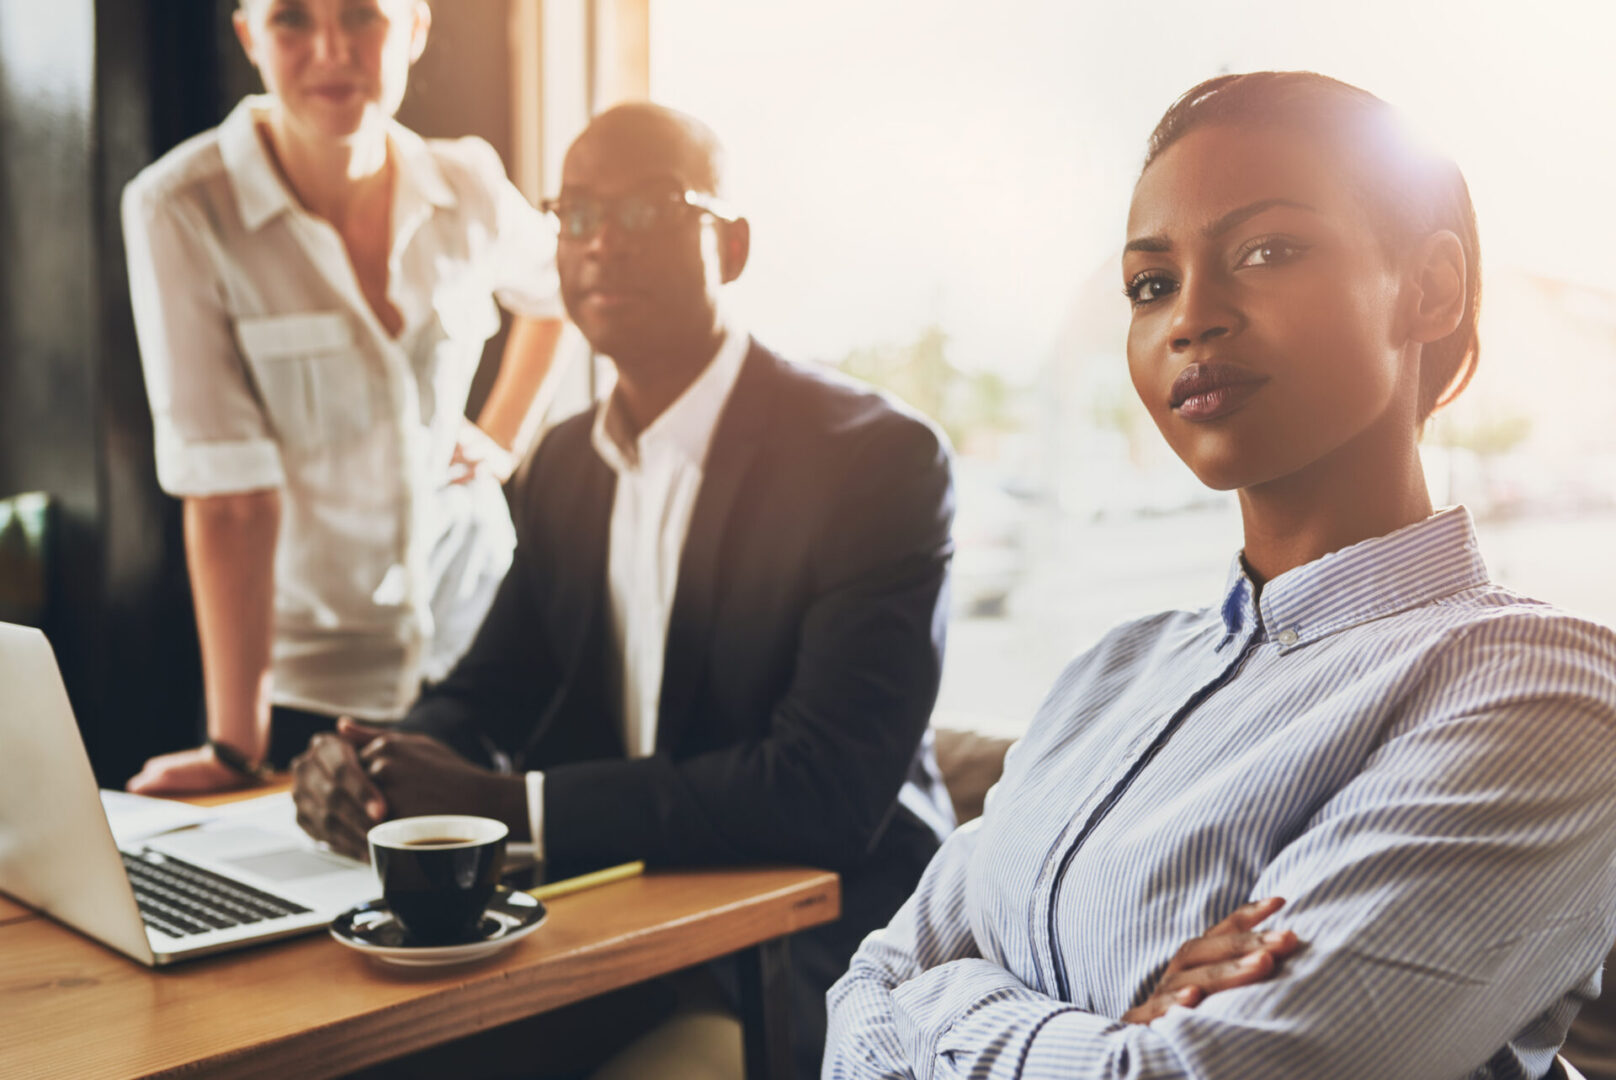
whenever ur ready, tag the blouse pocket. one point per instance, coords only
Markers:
(311, 375)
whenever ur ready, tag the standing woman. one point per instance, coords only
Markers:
(1419, 764)
(313, 285)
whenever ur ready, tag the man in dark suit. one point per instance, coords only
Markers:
(722, 633)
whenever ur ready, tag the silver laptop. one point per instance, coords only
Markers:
(232, 883)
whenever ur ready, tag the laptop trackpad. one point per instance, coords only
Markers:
(260, 852)
(290, 865)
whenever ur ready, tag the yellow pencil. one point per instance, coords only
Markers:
(565, 886)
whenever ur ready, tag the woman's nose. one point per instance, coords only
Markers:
(1202, 312)
(331, 43)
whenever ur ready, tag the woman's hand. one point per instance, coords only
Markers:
(1233, 953)
(186, 772)
(475, 454)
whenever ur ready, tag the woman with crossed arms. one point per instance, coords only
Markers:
(313, 285)
(1418, 764)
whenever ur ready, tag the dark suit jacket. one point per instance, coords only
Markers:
(803, 651)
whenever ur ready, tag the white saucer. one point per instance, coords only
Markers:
(371, 929)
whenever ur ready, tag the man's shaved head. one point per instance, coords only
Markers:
(650, 139)
(644, 287)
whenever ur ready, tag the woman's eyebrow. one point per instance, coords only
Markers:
(1220, 226)
(1251, 210)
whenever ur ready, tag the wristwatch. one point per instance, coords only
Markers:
(237, 762)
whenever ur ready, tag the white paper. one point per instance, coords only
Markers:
(137, 817)
(278, 815)
(271, 813)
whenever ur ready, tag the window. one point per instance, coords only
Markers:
(938, 190)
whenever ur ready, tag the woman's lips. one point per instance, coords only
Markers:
(1208, 391)
(335, 93)
(1216, 403)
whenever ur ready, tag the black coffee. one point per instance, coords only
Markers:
(439, 886)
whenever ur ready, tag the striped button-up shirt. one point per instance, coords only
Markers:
(1420, 762)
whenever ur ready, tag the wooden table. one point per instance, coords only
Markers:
(72, 1008)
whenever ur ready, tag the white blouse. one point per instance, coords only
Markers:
(266, 368)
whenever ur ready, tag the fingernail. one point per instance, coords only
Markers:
(1252, 960)
(1274, 937)
(375, 809)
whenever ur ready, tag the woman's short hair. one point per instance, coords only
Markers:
(1410, 191)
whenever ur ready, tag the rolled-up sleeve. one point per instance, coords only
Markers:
(523, 264)
(211, 434)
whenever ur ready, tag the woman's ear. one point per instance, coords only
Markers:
(1437, 276)
(244, 33)
(423, 24)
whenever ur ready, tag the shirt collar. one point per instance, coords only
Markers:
(1416, 565)
(261, 194)
(685, 428)
(1238, 611)
(419, 175)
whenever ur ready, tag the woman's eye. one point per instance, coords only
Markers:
(1148, 287)
(290, 18)
(1271, 253)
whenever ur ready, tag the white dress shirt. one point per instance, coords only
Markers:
(267, 369)
(659, 474)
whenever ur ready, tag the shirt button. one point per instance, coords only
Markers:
(1286, 637)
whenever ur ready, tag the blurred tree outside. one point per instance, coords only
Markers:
(973, 407)
(1487, 436)
(1115, 407)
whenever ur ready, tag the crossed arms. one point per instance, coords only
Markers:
(1455, 892)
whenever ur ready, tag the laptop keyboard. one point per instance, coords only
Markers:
(179, 899)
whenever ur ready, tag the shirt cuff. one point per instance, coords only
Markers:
(531, 303)
(928, 1006)
(216, 468)
(535, 812)
(1010, 1038)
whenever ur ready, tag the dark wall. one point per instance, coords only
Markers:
(60, 424)
(90, 92)
(157, 84)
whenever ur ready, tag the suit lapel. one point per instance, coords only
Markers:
(729, 457)
(575, 577)
(586, 533)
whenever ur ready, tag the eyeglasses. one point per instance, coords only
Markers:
(581, 216)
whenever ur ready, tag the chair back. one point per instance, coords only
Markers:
(1564, 1070)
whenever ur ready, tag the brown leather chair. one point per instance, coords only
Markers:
(970, 763)
(1564, 1070)
(1591, 1042)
